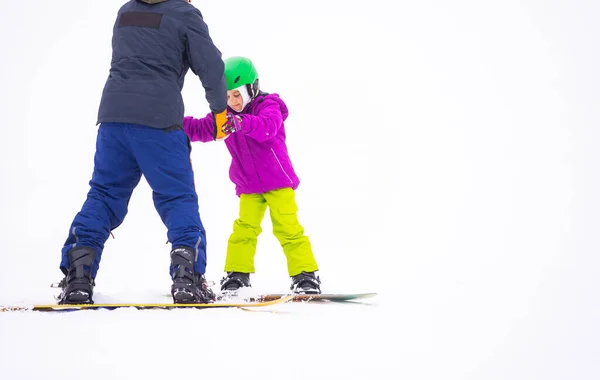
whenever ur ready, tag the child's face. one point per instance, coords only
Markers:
(235, 100)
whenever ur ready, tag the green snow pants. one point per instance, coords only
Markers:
(241, 246)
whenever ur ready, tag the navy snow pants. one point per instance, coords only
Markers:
(123, 153)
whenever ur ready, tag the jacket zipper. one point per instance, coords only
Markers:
(281, 166)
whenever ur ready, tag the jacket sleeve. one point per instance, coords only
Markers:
(199, 129)
(206, 61)
(265, 124)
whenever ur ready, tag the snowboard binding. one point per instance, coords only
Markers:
(78, 285)
(306, 283)
(188, 286)
(234, 281)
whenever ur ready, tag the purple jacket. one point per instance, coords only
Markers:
(259, 156)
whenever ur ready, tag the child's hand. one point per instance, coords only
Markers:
(234, 124)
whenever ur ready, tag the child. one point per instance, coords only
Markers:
(263, 175)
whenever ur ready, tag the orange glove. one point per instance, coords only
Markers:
(220, 121)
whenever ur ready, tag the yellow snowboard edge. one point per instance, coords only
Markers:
(50, 307)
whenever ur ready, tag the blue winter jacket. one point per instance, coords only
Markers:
(154, 44)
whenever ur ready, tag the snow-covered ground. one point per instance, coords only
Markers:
(448, 154)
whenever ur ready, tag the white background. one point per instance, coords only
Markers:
(448, 160)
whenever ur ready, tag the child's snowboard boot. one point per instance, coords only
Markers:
(306, 283)
(234, 281)
(78, 285)
(188, 286)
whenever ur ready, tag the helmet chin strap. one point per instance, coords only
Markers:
(245, 96)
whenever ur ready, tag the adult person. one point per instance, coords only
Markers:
(154, 44)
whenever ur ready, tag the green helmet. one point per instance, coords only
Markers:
(240, 71)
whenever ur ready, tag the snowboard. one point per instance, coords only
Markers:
(146, 306)
(324, 297)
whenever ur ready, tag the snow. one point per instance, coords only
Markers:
(448, 158)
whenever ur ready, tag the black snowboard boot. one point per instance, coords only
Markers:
(306, 283)
(78, 285)
(235, 280)
(188, 286)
